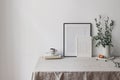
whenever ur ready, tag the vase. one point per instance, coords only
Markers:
(106, 51)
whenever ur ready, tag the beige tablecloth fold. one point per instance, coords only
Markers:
(76, 76)
(58, 76)
(103, 75)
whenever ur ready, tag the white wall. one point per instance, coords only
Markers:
(29, 28)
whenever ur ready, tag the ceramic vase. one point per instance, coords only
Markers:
(106, 51)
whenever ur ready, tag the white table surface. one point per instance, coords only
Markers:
(74, 65)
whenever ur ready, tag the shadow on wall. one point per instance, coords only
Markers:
(7, 54)
(17, 59)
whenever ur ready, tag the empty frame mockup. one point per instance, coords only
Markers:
(72, 32)
(84, 46)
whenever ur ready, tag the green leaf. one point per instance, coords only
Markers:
(104, 34)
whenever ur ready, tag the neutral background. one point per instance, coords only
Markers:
(29, 28)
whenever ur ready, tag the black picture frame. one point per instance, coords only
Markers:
(64, 27)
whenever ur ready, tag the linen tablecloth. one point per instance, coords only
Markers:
(75, 69)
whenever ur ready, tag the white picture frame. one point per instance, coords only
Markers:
(71, 32)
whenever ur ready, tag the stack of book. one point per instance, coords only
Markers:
(51, 56)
